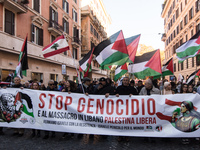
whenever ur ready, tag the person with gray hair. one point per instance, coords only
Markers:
(149, 89)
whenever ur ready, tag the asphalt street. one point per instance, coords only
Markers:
(96, 142)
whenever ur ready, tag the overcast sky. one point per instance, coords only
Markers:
(137, 17)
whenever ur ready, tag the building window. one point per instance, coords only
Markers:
(181, 25)
(185, 2)
(76, 35)
(75, 1)
(187, 63)
(65, 26)
(53, 22)
(178, 67)
(185, 20)
(192, 61)
(177, 13)
(197, 27)
(36, 5)
(186, 38)
(181, 6)
(192, 33)
(91, 28)
(52, 38)
(197, 6)
(198, 60)
(9, 22)
(191, 13)
(66, 6)
(181, 42)
(36, 35)
(182, 66)
(75, 55)
(177, 30)
(74, 15)
(174, 67)
(173, 18)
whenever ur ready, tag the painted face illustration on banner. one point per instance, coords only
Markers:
(10, 107)
(190, 119)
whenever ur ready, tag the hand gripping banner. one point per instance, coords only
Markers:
(147, 116)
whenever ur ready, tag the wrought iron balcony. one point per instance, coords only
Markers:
(76, 42)
(17, 6)
(55, 28)
(163, 38)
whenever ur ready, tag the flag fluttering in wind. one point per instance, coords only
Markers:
(167, 69)
(189, 49)
(85, 63)
(190, 79)
(132, 45)
(148, 64)
(58, 46)
(22, 61)
(120, 71)
(180, 78)
(112, 51)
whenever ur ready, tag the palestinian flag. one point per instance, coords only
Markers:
(132, 45)
(192, 76)
(167, 69)
(148, 64)
(120, 71)
(22, 61)
(85, 63)
(112, 51)
(189, 49)
(27, 103)
(59, 45)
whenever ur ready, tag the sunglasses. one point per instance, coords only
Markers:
(51, 84)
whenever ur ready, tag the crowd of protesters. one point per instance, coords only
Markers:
(104, 86)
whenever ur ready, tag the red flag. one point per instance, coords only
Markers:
(89, 63)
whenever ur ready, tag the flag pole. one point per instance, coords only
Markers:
(76, 70)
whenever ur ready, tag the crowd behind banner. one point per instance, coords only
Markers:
(104, 86)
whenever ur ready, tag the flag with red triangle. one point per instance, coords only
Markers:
(120, 71)
(148, 64)
(112, 51)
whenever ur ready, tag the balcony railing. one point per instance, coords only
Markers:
(76, 41)
(55, 28)
(163, 38)
(17, 6)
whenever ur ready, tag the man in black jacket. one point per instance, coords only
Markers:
(125, 88)
(104, 88)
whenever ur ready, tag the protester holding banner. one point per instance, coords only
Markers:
(125, 88)
(87, 86)
(139, 86)
(51, 87)
(104, 88)
(191, 89)
(70, 86)
(167, 88)
(17, 84)
(149, 89)
(35, 86)
(184, 88)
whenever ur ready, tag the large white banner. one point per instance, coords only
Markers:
(151, 116)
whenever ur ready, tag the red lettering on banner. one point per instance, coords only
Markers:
(81, 108)
(112, 107)
(137, 106)
(127, 107)
(57, 101)
(89, 105)
(143, 107)
(66, 101)
(50, 100)
(100, 105)
(117, 110)
(153, 104)
(42, 101)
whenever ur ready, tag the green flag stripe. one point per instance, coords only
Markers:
(145, 73)
(117, 76)
(189, 51)
(26, 111)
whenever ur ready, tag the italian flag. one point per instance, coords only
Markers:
(190, 79)
(22, 61)
(58, 46)
(120, 71)
(148, 64)
(189, 49)
(167, 69)
(112, 51)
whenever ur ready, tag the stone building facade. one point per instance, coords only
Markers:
(181, 22)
